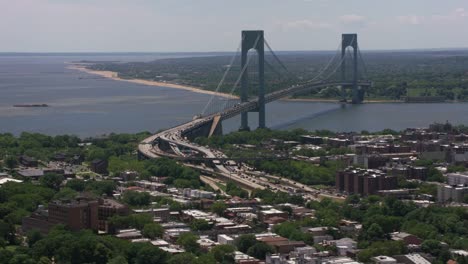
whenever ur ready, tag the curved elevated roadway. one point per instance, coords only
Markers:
(176, 141)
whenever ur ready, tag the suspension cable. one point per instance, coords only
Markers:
(339, 64)
(223, 78)
(365, 73)
(279, 61)
(241, 73)
(322, 71)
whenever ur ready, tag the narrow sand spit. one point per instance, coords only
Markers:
(114, 76)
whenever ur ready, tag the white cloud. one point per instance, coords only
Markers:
(455, 16)
(461, 12)
(352, 18)
(308, 24)
(411, 19)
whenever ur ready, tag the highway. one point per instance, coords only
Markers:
(177, 143)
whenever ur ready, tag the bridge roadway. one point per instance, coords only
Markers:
(149, 147)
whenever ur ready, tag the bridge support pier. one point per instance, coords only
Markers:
(253, 39)
(350, 40)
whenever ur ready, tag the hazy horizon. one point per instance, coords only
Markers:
(220, 52)
(40, 26)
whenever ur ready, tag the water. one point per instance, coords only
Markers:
(86, 105)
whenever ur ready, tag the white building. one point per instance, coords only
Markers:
(449, 193)
(384, 260)
(225, 239)
(457, 178)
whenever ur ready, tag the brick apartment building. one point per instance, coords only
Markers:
(108, 208)
(78, 214)
(364, 182)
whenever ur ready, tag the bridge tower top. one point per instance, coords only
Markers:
(253, 39)
(349, 40)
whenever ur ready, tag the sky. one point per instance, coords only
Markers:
(215, 25)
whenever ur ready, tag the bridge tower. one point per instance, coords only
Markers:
(350, 40)
(253, 39)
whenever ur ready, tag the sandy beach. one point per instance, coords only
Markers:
(114, 76)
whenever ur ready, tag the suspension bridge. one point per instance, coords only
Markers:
(345, 71)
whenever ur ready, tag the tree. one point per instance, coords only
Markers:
(134, 220)
(223, 253)
(65, 193)
(289, 230)
(52, 180)
(234, 190)
(136, 198)
(153, 230)
(374, 232)
(76, 184)
(200, 225)
(218, 208)
(10, 161)
(432, 247)
(101, 253)
(189, 242)
(260, 250)
(244, 242)
(435, 175)
(101, 187)
(22, 259)
(45, 260)
(206, 259)
(149, 254)
(118, 260)
(184, 258)
(33, 236)
(5, 255)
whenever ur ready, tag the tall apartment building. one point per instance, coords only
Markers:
(78, 214)
(364, 181)
(451, 193)
(108, 208)
(457, 178)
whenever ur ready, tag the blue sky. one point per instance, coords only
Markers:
(215, 25)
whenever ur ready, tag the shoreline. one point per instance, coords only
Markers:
(320, 100)
(114, 76)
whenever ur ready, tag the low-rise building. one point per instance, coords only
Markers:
(340, 260)
(225, 240)
(408, 239)
(151, 186)
(413, 259)
(241, 258)
(99, 166)
(343, 245)
(28, 161)
(128, 175)
(266, 215)
(282, 245)
(384, 260)
(129, 234)
(32, 174)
